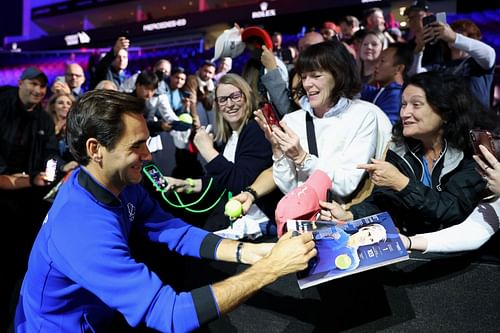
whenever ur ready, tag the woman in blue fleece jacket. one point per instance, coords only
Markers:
(80, 269)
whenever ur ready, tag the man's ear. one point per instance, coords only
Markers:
(94, 150)
(401, 69)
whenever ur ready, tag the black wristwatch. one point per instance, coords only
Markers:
(250, 190)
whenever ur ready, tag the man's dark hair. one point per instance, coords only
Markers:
(450, 97)
(209, 63)
(98, 114)
(333, 57)
(147, 79)
(403, 56)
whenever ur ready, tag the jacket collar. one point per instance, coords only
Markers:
(99, 192)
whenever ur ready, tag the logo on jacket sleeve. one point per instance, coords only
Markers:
(131, 211)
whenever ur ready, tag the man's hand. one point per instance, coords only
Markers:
(40, 180)
(60, 87)
(121, 43)
(291, 254)
(251, 253)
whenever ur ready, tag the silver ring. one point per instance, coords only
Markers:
(486, 168)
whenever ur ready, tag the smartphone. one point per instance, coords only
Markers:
(155, 176)
(485, 138)
(50, 170)
(270, 115)
(428, 20)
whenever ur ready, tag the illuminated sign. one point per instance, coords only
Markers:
(78, 38)
(164, 25)
(264, 11)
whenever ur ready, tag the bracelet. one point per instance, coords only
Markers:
(250, 190)
(191, 184)
(300, 164)
(238, 252)
(409, 241)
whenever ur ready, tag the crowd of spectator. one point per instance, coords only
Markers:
(356, 100)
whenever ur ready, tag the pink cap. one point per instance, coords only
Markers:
(302, 203)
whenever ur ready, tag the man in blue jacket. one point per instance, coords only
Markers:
(80, 269)
(390, 73)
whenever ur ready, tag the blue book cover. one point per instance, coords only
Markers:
(350, 247)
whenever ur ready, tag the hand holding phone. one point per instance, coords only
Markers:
(485, 138)
(155, 176)
(270, 115)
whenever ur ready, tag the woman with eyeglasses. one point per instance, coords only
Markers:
(240, 153)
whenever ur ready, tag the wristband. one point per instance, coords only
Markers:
(238, 252)
(409, 241)
(191, 184)
(252, 192)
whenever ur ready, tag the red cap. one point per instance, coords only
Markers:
(331, 26)
(258, 36)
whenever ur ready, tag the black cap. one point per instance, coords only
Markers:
(31, 73)
(418, 5)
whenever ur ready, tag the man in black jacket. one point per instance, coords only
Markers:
(27, 141)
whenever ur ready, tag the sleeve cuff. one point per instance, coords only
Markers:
(209, 246)
(205, 304)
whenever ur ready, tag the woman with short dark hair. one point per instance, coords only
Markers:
(347, 131)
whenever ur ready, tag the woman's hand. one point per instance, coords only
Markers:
(187, 185)
(268, 59)
(385, 174)
(332, 211)
(268, 132)
(289, 143)
(204, 141)
(489, 169)
(246, 199)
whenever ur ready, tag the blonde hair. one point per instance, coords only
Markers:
(51, 105)
(224, 131)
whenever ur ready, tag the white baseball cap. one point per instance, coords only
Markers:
(229, 44)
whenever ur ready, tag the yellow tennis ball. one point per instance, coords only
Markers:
(186, 118)
(343, 261)
(233, 209)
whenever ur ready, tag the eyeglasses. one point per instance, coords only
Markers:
(235, 98)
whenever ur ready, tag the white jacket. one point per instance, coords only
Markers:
(345, 137)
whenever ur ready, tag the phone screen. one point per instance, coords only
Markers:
(155, 176)
(268, 112)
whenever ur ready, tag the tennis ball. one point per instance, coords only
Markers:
(186, 118)
(233, 209)
(343, 261)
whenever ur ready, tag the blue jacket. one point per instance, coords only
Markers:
(80, 269)
(389, 100)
